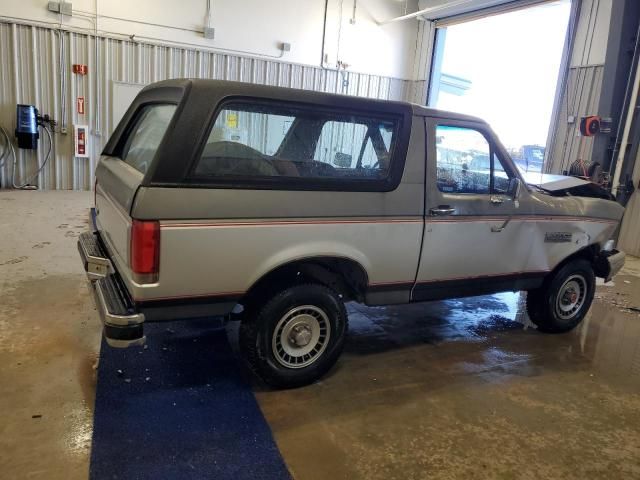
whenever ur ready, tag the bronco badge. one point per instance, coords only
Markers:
(557, 237)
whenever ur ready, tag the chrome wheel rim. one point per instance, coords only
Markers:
(571, 297)
(301, 336)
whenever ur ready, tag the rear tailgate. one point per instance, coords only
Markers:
(116, 186)
(120, 173)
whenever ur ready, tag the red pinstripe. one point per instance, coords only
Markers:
(460, 219)
(202, 295)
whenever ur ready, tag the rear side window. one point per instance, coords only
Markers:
(274, 143)
(146, 135)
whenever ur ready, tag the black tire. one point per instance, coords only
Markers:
(556, 307)
(296, 306)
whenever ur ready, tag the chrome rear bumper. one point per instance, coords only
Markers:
(123, 325)
(94, 257)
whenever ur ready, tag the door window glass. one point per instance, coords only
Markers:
(466, 163)
(501, 178)
(463, 160)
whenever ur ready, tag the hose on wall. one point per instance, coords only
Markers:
(8, 148)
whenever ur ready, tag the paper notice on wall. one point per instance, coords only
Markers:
(232, 120)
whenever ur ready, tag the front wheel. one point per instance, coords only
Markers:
(564, 299)
(295, 337)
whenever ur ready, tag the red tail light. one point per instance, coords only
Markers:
(144, 254)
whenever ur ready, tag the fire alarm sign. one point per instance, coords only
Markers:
(80, 105)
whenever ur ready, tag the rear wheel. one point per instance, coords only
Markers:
(564, 298)
(296, 336)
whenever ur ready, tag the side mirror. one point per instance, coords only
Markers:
(515, 185)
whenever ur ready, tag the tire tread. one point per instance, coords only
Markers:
(254, 318)
(539, 305)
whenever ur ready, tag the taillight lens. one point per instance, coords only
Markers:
(145, 250)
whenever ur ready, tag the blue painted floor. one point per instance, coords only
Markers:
(179, 408)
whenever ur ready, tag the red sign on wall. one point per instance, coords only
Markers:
(80, 69)
(80, 105)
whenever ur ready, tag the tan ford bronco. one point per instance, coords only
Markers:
(281, 205)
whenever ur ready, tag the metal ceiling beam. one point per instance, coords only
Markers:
(425, 11)
(443, 16)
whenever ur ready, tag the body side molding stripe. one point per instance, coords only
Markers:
(448, 279)
(453, 219)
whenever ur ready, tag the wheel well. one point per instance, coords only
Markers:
(589, 253)
(346, 277)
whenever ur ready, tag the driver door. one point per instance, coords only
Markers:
(474, 242)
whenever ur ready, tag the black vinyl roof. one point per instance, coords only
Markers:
(219, 88)
(197, 101)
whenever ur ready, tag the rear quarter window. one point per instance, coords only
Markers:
(144, 138)
(283, 146)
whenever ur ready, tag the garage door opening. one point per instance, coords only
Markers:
(504, 68)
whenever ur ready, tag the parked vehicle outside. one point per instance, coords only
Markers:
(530, 158)
(282, 204)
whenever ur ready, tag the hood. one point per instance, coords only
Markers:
(561, 185)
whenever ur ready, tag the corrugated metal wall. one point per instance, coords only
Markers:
(30, 59)
(580, 98)
(629, 239)
(581, 88)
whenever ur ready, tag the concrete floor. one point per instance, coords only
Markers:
(49, 337)
(454, 389)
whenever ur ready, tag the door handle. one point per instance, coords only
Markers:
(441, 210)
(496, 199)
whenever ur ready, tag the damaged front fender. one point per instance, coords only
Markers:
(562, 186)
